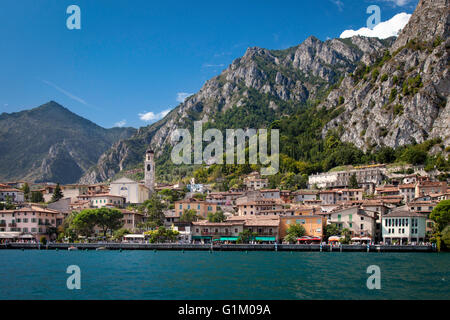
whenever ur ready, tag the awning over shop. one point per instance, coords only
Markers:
(201, 237)
(228, 239)
(9, 235)
(265, 238)
(309, 239)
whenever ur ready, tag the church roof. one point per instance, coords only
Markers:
(123, 180)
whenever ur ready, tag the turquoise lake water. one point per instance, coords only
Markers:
(222, 275)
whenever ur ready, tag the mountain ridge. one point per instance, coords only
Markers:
(48, 143)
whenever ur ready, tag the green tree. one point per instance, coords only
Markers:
(347, 236)
(246, 236)
(36, 197)
(118, 234)
(218, 216)
(445, 238)
(83, 223)
(26, 191)
(57, 193)
(162, 235)
(107, 219)
(189, 215)
(154, 209)
(353, 182)
(331, 230)
(294, 232)
(441, 214)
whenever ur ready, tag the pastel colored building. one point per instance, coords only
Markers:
(32, 221)
(133, 192)
(202, 208)
(356, 219)
(15, 195)
(314, 224)
(403, 226)
(106, 200)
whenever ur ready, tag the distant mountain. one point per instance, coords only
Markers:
(50, 143)
(371, 93)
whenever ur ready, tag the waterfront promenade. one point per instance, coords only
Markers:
(220, 247)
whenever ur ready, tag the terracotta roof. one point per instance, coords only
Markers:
(253, 217)
(403, 213)
(262, 222)
(10, 190)
(312, 192)
(100, 195)
(407, 186)
(206, 223)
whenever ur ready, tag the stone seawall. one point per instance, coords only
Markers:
(223, 247)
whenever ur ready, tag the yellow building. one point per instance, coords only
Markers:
(314, 224)
(203, 208)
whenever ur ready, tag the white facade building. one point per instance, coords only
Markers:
(132, 191)
(402, 226)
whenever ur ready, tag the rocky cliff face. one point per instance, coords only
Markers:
(280, 80)
(388, 92)
(404, 97)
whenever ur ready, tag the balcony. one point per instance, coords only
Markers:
(216, 233)
(12, 225)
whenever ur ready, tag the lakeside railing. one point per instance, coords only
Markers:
(221, 247)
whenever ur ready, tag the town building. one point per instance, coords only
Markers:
(13, 194)
(304, 195)
(270, 193)
(30, 223)
(430, 187)
(367, 176)
(106, 200)
(254, 182)
(356, 219)
(403, 226)
(265, 228)
(255, 207)
(408, 191)
(205, 231)
(314, 224)
(131, 219)
(202, 208)
(133, 192)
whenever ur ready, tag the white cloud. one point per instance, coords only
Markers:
(181, 96)
(151, 116)
(121, 123)
(383, 30)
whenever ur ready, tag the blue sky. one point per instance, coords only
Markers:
(131, 58)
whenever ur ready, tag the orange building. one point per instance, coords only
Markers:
(314, 224)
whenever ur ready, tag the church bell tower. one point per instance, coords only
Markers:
(150, 170)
